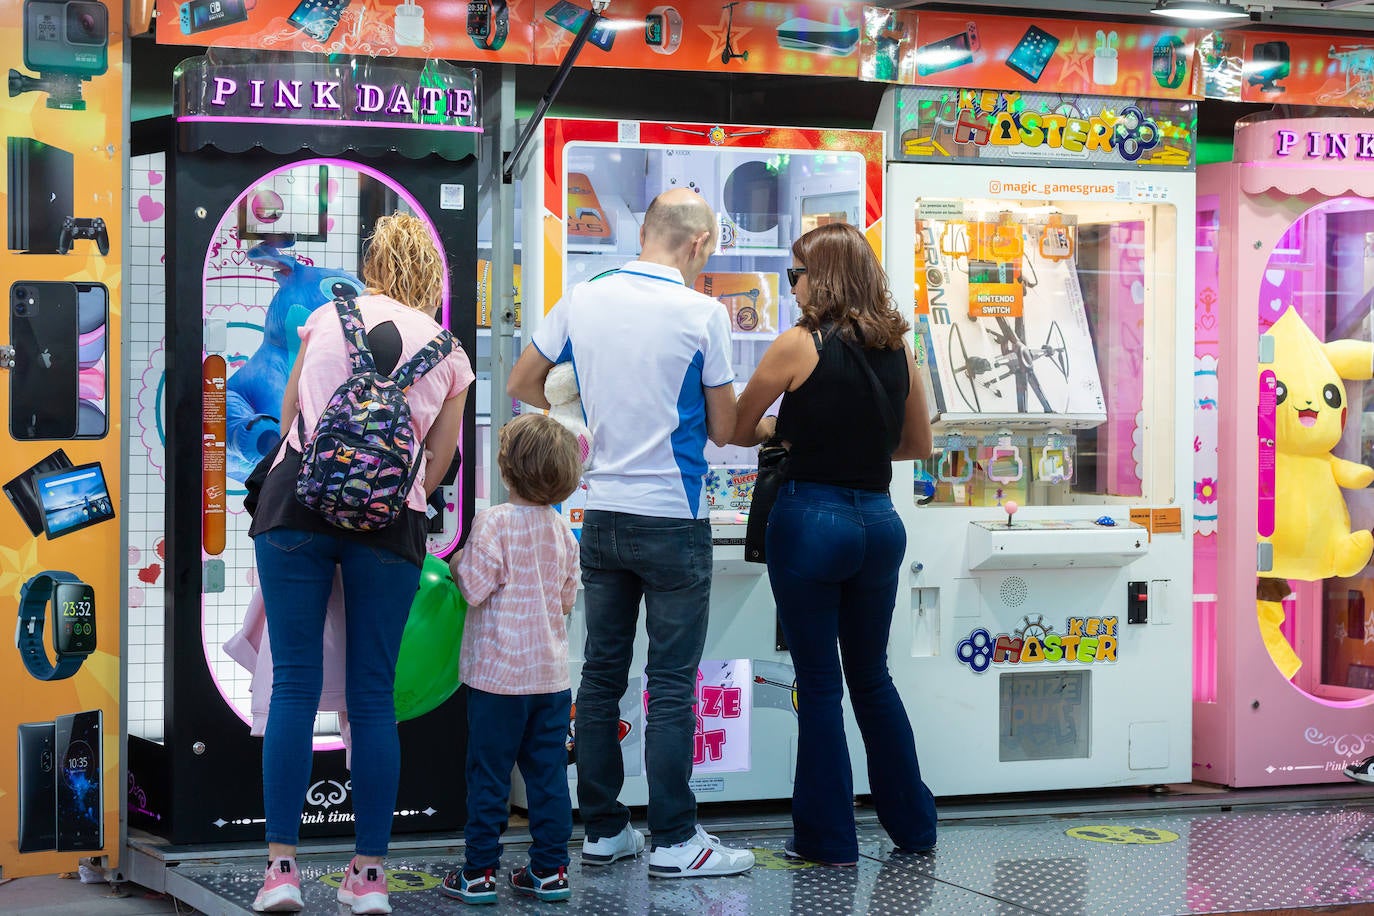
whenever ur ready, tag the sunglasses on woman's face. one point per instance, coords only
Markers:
(794, 274)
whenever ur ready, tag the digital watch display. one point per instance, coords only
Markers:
(64, 603)
(488, 23)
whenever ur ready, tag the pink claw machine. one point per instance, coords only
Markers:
(586, 189)
(1284, 650)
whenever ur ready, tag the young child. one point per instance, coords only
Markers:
(519, 574)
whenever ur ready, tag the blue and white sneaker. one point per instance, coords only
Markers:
(626, 844)
(470, 885)
(553, 886)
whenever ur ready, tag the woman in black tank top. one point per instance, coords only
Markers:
(852, 403)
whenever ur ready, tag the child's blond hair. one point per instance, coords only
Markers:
(403, 262)
(539, 459)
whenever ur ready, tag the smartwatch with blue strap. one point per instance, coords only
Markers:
(73, 624)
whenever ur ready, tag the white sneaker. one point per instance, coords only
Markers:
(625, 844)
(701, 856)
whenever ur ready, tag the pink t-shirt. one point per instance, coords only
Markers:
(326, 368)
(518, 572)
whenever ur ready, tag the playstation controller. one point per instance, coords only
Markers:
(74, 227)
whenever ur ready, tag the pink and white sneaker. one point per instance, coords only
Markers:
(365, 889)
(281, 888)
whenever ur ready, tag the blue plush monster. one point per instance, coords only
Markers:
(255, 390)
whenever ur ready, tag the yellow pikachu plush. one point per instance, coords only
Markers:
(1312, 538)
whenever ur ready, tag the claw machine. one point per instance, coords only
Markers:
(1042, 245)
(585, 195)
(1285, 654)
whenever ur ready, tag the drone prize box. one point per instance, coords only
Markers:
(750, 298)
(1038, 367)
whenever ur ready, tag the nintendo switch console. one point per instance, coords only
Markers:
(947, 53)
(197, 16)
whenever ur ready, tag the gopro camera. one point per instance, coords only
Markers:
(67, 42)
(66, 36)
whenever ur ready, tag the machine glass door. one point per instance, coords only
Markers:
(1034, 322)
(1314, 587)
(763, 198)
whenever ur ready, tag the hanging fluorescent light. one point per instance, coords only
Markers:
(1199, 11)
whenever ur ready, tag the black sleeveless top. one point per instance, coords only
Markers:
(278, 507)
(836, 425)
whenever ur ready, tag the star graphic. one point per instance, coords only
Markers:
(1077, 60)
(718, 33)
(554, 39)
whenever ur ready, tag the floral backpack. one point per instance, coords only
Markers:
(360, 463)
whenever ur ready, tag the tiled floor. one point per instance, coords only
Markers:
(1286, 856)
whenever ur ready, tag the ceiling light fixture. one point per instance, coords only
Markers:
(1199, 11)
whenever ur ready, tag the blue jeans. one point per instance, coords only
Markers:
(531, 731)
(833, 558)
(296, 572)
(667, 562)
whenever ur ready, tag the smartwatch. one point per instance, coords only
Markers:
(488, 23)
(73, 624)
(663, 29)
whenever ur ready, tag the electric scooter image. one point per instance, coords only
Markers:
(730, 53)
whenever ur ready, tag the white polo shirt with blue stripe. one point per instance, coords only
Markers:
(643, 346)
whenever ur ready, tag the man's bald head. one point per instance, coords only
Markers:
(676, 218)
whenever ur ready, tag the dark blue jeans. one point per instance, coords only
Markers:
(296, 571)
(667, 563)
(532, 732)
(833, 558)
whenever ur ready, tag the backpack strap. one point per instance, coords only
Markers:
(428, 356)
(355, 336)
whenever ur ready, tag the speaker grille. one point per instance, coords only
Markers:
(1013, 591)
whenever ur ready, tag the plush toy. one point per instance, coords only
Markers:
(565, 405)
(1312, 539)
(253, 399)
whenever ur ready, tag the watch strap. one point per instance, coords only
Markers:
(28, 634)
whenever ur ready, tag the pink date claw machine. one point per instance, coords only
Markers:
(1284, 648)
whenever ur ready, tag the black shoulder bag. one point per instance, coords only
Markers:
(773, 462)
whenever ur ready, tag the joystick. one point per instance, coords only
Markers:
(74, 227)
(1010, 507)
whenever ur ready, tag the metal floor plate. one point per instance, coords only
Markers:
(1189, 862)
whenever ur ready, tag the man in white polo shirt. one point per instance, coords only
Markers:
(652, 358)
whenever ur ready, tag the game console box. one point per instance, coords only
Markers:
(40, 193)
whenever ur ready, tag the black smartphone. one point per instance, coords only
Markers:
(80, 792)
(318, 18)
(22, 491)
(1032, 53)
(37, 788)
(570, 17)
(43, 381)
(92, 342)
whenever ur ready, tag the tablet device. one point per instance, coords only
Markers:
(24, 497)
(73, 498)
(1032, 53)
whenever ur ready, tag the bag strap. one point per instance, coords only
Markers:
(429, 356)
(885, 405)
(355, 336)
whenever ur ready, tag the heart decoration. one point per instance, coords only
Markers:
(1207, 321)
(154, 178)
(149, 209)
(238, 256)
(1275, 277)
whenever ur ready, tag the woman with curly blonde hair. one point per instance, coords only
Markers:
(298, 553)
(852, 403)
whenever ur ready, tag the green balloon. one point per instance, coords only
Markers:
(427, 668)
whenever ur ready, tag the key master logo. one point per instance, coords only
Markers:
(1085, 641)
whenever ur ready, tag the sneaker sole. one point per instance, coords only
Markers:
(368, 904)
(660, 872)
(549, 896)
(589, 858)
(1360, 777)
(280, 900)
(484, 897)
